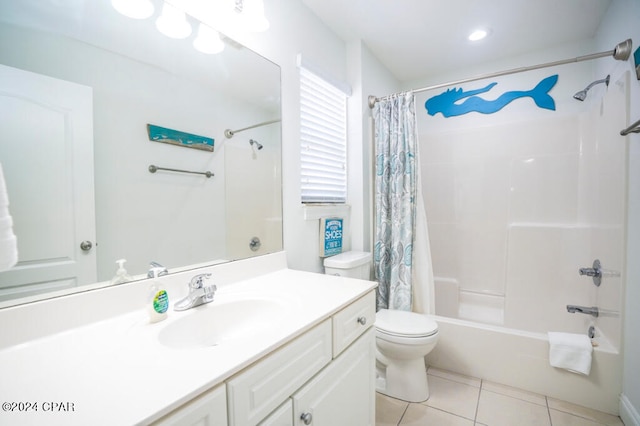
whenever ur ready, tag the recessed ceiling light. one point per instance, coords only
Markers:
(478, 35)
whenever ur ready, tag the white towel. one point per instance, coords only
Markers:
(570, 351)
(8, 242)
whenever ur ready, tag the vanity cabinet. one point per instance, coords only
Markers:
(325, 377)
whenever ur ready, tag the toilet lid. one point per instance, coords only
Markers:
(404, 323)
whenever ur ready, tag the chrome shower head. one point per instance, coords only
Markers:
(256, 143)
(582, 95)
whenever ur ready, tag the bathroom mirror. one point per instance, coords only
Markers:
(81, 85)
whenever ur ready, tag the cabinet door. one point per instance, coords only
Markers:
(209, 409)
(343, 394)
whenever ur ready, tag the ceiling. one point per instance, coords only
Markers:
(416, 39)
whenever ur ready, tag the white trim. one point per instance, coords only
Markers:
(320, 72)
(628, 413)
(314, 212)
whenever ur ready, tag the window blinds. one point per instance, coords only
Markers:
(323, 144)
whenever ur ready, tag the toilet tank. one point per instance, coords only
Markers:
(351, 264)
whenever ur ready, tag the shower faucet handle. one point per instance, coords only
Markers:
(595, 272)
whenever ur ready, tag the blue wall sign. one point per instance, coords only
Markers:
(176, 137)
(445, 103)
(331, 241)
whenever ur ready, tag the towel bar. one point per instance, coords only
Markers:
(153, 169)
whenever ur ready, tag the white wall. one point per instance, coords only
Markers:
(622, 21)
(368, 77)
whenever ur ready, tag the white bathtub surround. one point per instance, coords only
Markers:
(521, 359)
(570, 351)
(518, 201)
(85, 348)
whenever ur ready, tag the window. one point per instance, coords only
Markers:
(323, 140)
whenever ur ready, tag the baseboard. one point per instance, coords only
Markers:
(628, 413)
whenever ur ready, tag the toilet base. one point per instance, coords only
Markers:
(403, 379)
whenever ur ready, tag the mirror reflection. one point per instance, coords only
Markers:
(81, 87)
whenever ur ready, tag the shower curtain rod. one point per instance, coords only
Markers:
(621, 52)
(229, 133)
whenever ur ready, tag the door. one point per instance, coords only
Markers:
(46, 151)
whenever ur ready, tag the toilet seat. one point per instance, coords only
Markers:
(404, 324)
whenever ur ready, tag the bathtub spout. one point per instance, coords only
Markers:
(583, 310)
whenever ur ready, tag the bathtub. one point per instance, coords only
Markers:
(521, 359)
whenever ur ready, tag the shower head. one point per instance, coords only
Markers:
(256, 143)
(582, 95)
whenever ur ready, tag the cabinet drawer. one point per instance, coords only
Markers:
(352, 321)
(261, 388)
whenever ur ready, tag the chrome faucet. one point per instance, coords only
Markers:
(161, 270)
(198, 293)
(583, 310)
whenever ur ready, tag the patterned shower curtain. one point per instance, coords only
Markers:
(395, 197)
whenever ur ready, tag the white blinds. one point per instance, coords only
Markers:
(323, 144)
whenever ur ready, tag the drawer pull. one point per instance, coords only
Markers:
(362, 320)
(306, 418)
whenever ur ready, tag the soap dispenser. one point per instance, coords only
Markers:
(121, 275)
(158, 300)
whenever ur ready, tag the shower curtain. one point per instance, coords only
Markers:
(397, 204)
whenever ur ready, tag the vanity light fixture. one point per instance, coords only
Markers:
(173, 22)
(250, 14)
(208, 40)
(478, 35)
(136, 9)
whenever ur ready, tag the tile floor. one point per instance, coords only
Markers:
(466, 401)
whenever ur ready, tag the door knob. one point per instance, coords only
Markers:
(306, 418)
(86, 245)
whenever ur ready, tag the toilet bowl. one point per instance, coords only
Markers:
(403, 339)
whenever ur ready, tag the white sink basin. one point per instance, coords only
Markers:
(217, 322)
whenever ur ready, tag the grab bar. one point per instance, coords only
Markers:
(153, 169)
(634, 128)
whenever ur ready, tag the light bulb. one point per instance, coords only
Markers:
(173, 22)
(208, 40)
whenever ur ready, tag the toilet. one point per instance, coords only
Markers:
(403, 338)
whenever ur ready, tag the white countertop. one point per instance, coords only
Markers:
(116, 372)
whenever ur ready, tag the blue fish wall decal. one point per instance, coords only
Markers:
(445, 103)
